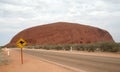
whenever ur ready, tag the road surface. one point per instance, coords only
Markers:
(87, 63)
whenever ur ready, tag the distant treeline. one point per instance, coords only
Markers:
(92, 47)
(103, 47)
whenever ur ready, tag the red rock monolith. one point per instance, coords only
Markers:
(62, 33)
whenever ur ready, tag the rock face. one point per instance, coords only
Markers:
(62, 33)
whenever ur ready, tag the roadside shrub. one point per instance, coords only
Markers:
(91, 47)
(3, 60)
(78, 47)
(67, 46)
(11, 46)
(109, 47)
(103, 47)
(58, 47)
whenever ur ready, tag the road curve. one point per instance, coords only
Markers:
(87, 63)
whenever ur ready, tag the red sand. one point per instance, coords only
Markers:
(31, 64)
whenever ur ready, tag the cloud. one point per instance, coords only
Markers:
(17, 15)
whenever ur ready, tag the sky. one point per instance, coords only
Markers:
(17, 15)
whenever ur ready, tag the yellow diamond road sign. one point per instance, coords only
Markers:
(21, 43)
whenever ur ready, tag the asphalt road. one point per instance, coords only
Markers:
(79, 61)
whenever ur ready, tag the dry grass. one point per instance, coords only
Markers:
(4, 59)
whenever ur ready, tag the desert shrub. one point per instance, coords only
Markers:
(109, 47)
(91, 47)
(46, 47)
(12, 46)
(27, 47)
(35, 47)
(79, 47)
(58, 47)
(3, 60)
(1, 57)
(67, 46)
(38, 47)
(103, 46)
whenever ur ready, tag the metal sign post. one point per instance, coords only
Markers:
(21, 43)
(21, 56)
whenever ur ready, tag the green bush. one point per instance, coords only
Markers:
(78, 47)
(67, 46)
(104, 47)
(58, 47)
(109, 47)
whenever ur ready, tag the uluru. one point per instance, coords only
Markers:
(62, 33)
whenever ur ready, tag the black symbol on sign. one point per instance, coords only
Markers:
(21, 42)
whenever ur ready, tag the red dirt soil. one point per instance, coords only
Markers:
(62, 33)
(31, 64)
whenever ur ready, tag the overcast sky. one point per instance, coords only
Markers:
(17, 15)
